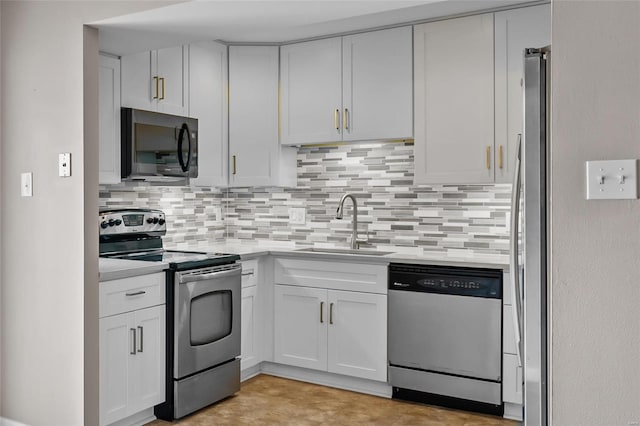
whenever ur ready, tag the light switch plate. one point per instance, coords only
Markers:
(64, 164)
(612, 180)
(26, 184)
(297, 215)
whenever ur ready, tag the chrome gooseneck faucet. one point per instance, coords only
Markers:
(339, 214)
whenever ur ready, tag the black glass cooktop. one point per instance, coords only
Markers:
(180, 260)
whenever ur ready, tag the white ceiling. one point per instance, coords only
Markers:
(268, 21)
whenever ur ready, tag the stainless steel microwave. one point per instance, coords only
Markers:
(158, 147)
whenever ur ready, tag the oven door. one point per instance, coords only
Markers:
(207, 318)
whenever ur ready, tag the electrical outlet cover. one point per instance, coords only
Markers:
(297, 215)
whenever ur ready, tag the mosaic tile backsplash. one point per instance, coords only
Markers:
(392, 212)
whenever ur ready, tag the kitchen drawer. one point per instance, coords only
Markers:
(130, 294)
(367, 278)
(249, 272)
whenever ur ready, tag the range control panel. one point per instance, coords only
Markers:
(132, 221)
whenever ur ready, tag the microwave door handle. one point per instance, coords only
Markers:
(184, 129)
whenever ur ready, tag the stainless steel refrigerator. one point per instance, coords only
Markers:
(529, 237)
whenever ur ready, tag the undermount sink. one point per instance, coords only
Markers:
(346, 251)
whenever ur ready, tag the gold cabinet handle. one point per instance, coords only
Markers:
(336, 120)
(162, 79)
(321, 312)
(488, 157)
(500, 156)
(234, 165)
(155, 77)
(346, 119)
(330, 313)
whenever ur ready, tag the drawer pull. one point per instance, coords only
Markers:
(247, 273)
(137, 293)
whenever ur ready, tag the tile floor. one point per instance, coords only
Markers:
(269, 400)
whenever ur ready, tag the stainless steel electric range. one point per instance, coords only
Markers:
(203, 309)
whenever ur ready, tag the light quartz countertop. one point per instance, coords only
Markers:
(250, 250)
(114, 269)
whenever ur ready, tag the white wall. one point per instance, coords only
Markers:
(595, 244)
(49, 270)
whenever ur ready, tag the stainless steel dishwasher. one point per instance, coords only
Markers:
(445, 336)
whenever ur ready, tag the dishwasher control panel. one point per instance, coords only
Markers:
(473, 282)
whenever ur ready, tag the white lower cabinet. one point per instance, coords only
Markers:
(132, 347)
(248, 349)
(132, 362)
(251, 316)
(357, 334)
(343, 332)
(301, 327)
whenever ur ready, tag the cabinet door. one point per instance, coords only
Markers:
(311, 76)
(454, 118)
(515, 30)
(116, 346)
(301, 326)
(248, 346)
(208, 103)
(109, 119)
(138, 86)
(378, 85)
(173, 72)
(147, 382)
(358, 334)
(253, 115)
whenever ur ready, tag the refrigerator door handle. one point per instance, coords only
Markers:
(516, 297)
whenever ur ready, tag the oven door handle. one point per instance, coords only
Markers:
(184, 278)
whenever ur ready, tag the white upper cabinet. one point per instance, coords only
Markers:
(208, 103)
(515, 30)
(311, 75)
(377, 85)
(109, 119)
(347, 88)
(256, 158)
(157, 80)
(454, 116)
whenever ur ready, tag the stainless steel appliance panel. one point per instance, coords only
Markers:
(207, 318)
(441, 384)
(200, 390)
(535, 182)
(446, 333)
